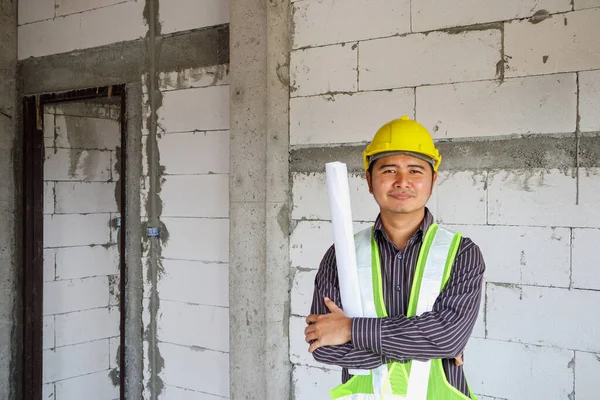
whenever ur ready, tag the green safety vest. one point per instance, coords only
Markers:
(413, 380)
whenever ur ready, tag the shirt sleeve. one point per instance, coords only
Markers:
(440, 333)
(346, 355)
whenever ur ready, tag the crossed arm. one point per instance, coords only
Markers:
(366, 343)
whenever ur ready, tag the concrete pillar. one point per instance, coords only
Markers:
(259, 200)
(9, 234)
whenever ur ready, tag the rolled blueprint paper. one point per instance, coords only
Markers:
(343, 239)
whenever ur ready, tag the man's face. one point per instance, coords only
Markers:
(401, 184)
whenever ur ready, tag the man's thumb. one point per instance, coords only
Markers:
(331, 305)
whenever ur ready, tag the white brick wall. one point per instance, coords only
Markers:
(195, 325)
(49, 264)
(85, 197)
(543, 316)
(35, 10)
(66, 7)
(545, 104)
(99, 383)
(183, 15)
(587, 370)
(86, 326)
(512, 253)
(461, 57)
(71, 361)
(100, 133)
(196, 196)
(82, 30)
(197, 239)
(75, 294)
(77, 165)
(543, 198)
(346, 118)
(302, 291)
(561, 43)
(195, 153)
(472, 209)
(179, 111)
(76, 230)
(311, 202)
(176, 393)
(308, 242)
(430, 14)
(329, 21)
(581, 4)
(203, 371)
(324, 69)
(309, 383)
(49, 197)
(195, 282)
(81, 266)
(515, 371)
(589, 101)
(586, 259)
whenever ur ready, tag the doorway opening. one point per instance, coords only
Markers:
(74, 244)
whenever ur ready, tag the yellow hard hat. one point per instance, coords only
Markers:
(403, 135)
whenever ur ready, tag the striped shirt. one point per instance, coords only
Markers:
(441, 333)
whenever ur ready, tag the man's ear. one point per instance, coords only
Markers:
(368, 176)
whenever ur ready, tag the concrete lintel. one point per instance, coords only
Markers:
(513, 153)
(123, 62)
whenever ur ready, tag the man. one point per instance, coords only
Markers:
(409, 346)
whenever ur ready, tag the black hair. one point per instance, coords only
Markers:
(371, 164)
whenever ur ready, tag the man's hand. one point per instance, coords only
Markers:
(328, 329)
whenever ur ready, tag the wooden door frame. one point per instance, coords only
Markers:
(33, 231)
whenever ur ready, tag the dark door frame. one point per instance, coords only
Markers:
(33, 230)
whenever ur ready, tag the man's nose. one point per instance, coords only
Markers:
(402, 180)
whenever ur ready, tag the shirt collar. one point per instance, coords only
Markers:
(425, 224)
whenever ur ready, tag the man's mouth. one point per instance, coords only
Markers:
(401, 196)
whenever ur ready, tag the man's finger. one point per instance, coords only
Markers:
(311, 336)
(311, 318)
(315, 345)
(309, 329)
(331, 305)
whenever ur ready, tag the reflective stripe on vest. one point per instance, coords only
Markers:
(393, 380)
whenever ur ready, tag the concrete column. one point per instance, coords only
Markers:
(10, 152)
(259, 204)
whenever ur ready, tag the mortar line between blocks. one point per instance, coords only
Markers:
(574, 375)
(570, 258)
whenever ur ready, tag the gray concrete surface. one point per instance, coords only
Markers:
(9, 220)
(509, 153)
(108, 65)
(247, 212)
(259, 200)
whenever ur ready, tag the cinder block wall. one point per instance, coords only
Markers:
(511, 92)
(81, 337)
(192, 284)
(184, 137)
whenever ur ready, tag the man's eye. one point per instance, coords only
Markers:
(388, 171)
(416, 171)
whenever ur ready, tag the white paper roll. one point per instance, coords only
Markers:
(343, 239)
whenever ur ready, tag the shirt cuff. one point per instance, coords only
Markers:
(366, 334)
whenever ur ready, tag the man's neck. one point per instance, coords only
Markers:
(400, 227)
